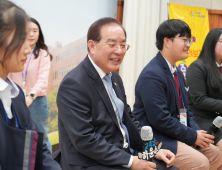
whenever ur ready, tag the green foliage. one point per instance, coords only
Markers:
(53, 111)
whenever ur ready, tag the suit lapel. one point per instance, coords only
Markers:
(100, 88)
(169, 75)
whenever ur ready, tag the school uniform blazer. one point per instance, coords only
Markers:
(89, 133)
(15, 142)
(157, 105)
(203, 101)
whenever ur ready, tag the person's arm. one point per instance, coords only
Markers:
(74, 107)
(197, 83)
(151, 88)
(43, 74)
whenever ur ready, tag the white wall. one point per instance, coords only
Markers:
(141, 19)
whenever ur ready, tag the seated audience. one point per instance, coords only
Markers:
(161, 102)
(204, 80)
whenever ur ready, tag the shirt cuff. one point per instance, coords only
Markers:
(33, 92)
(130, 162)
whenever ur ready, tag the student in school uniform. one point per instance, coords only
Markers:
(21, 142)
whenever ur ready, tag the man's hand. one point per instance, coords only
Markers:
(203, 139)
(142, 164)
(167, 156)
(28, 100)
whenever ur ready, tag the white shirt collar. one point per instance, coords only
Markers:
(4, 84)
(219, 65)
(99, 70)
(172, 68)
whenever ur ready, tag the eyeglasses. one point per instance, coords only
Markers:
(186, 41)
(115, 47)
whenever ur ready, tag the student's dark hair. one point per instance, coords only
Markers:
(94, 32)
(13, 19)
(41, 42)
(169, 29)
(208, 57)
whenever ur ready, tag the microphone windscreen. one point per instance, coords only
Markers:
(218, 121)
(146, 133)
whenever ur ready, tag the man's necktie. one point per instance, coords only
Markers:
(119, 105)
(178, 89)
(220, 69)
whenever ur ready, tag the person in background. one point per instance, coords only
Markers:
(34, 78)
(161, 101)
(204, 79)
(21, 142)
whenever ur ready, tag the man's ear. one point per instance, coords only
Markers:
(91, 46)
(167, 42)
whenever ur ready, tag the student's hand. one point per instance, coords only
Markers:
(142, 164)
(203, 139)
(28, 100)
(167, 156)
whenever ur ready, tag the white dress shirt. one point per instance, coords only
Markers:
(219, 65)
(8, 90)
(172, 68)
(102, 75)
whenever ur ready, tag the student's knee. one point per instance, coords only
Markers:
(216, 156)
(203, 163)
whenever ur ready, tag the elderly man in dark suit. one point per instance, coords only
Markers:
(96, 127)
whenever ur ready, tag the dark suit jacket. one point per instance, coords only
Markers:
(205, 104)
(157, 105)
(12, 140)
(89, 133)
(203, 101)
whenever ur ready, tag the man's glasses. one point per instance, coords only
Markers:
(186, 41)
(115, 47)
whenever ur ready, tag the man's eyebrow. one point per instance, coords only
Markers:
(110, 40)
(113, 40)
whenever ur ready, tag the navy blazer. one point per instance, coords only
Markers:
(157, 105)
(12, 140)
(89, 133)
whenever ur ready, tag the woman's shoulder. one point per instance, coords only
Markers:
(43, 53)
(197, 65)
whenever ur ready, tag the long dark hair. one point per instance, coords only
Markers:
(40, 43)
(12, 18)
(208, 56)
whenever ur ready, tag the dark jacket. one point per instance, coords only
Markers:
(203, 101)
(89, 133)
(23, 147)
(157, 105)
(205, 104)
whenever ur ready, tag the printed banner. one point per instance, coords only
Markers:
(197, 19)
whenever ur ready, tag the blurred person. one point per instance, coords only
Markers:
(34, 78)
(21, 142)
(97, 130)
(161, 101)
(204, 79)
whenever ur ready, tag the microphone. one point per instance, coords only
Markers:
(217, 123)
(150, 147)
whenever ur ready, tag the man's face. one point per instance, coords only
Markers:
(179, 48)
(108, 54)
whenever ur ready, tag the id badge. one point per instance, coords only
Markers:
(183, 116)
